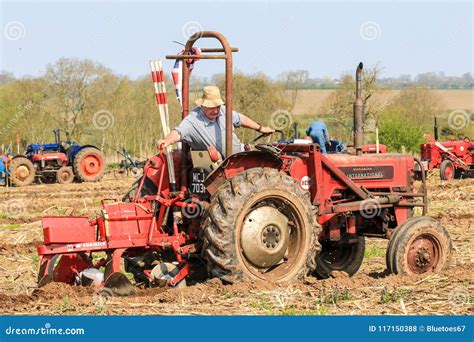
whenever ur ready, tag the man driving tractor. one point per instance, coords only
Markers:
(205, 125)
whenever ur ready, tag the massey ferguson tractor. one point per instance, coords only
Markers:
(61, 161)
(454, 158)
(275, 212)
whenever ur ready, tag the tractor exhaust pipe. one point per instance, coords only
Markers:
(56, 136)
(436, 129)
(295, 131)
(359, 113)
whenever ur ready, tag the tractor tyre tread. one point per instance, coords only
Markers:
(218, 235)
(77, 164)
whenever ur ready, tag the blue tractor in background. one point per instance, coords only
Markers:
(61, 161)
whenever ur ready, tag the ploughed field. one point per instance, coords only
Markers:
(370, 291)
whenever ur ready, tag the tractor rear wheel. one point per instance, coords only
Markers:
(89, 165)
(260, 225)
(344, 258)
(65, 175)
(419, 245)
(447, 171)
(23, 171)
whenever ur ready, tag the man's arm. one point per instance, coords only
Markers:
(325, 130)
(172, 138)
(249, 123)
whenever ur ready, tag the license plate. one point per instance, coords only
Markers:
(196, 181)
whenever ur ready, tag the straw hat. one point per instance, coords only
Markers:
(211, 97)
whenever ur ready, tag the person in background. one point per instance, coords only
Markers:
(318, 133)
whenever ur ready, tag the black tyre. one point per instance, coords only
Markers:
(89, 165)
(65, 175)
(23, 171)
(447, 170)
(260, 225)
(338, 257)
(149, 189)
(390, 252)
(419, 245)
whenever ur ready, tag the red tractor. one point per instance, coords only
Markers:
(275, 212)
(454, 158)
(61, 161)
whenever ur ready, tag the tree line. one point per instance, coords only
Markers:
(111, 111)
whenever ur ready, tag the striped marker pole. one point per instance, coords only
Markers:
(158, 78)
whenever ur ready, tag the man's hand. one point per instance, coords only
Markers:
(172, 138)
(266, 130)
(161, 144)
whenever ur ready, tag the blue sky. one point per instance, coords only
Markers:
(325, 38)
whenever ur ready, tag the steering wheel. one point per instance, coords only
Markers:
(282, 136)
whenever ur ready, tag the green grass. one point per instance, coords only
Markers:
(35, 259)
(113, 165)
(322, 311)
(66, 305)
(374, 252)
(96, 201)
(3, 214)
(392, 296)
(262, 303)
(10, 226)
(335, 296)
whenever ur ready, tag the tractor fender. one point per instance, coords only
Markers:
(239, 162)
(20, 155)
(75, 149)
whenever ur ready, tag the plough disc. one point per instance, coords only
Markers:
(62, 268)
(117, 281)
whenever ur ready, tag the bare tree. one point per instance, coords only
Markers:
(294, 81)
(71, 84)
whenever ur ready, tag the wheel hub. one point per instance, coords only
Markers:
(91, 165)
(265, 236)
(423, 254)
(22, 172)
(271, 236)
(422, 257)
(64, 176)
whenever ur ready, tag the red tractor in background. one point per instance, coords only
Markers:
(454, 158)
(61, 161)
(274, 212)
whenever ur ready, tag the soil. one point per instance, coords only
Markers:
(371, 291)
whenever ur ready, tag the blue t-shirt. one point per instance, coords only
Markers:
(199, 132)
(317, 128)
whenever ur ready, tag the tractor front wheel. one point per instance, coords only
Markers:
(89, 165)
(340, 257)
(419, 245)
(447, 170)
(65, 175)
(260, 225)
(23, 171)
